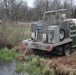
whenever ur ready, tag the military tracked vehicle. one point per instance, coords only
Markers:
(54, 33)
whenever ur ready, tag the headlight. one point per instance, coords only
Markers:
(33, 35)
(43, 37)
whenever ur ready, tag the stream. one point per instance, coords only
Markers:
(9, 69)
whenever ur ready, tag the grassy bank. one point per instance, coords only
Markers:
(35, 65)
(7, 55)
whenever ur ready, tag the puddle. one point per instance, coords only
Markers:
(9, 69)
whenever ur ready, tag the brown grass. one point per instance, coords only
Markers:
(12, 34)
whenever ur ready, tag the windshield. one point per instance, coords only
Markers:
(49, 17)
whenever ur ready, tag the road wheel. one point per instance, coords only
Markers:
(62, 34)
(66, 49)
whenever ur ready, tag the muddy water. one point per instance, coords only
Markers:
(9, 69)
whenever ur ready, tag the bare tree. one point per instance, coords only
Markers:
(18, 10)
(12, 10)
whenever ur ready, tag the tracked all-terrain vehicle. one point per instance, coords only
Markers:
(54, 33)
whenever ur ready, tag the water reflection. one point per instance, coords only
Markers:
(9, 69)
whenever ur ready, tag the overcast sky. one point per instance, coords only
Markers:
(30, 2)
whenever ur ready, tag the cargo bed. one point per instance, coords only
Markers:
(49, 46)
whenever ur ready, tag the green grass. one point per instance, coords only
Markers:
(36, 66)
(27, 33)
(20, 66)
(28, 29)
(7, 55)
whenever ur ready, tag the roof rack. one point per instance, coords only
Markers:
(59, 10)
